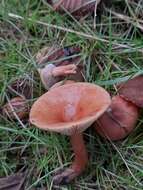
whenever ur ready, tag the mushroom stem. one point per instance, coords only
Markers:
(81, 156)
(65, 176)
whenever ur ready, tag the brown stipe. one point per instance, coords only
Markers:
(80, 161)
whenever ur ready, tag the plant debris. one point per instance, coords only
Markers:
(16, 107)
(76, 8)
(21, 86)
(13, 182)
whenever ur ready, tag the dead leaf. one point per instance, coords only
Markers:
(13, 182)
(76, 8)
(21, 86)
(17, 106)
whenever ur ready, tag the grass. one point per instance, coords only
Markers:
(114, 53)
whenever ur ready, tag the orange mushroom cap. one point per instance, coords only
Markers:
(69, 108)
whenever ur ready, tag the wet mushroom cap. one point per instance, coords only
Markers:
(69, 108)
(132, 90)
(118, 121)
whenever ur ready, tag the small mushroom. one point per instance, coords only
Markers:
(132, 90)
(63, 65)
(119, 120)
(16, 107)
(77, 8)
(70, 109)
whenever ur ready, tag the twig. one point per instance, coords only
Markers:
(128, 19)
(93, 37)
(95, 13)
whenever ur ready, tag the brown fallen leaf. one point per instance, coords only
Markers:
(77, 8)
(21, 86)
(13, 182)
(17, 106)
(132, 90)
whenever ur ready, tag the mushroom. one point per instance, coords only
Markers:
(119, 120)
(77, 8)
(17, 106)
(70, 109)
(64, 66)
(132, 90)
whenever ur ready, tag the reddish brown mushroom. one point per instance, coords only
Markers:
(132, 90)
(119, 120)
(77, 8)
(63, 66)
(70, 109)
